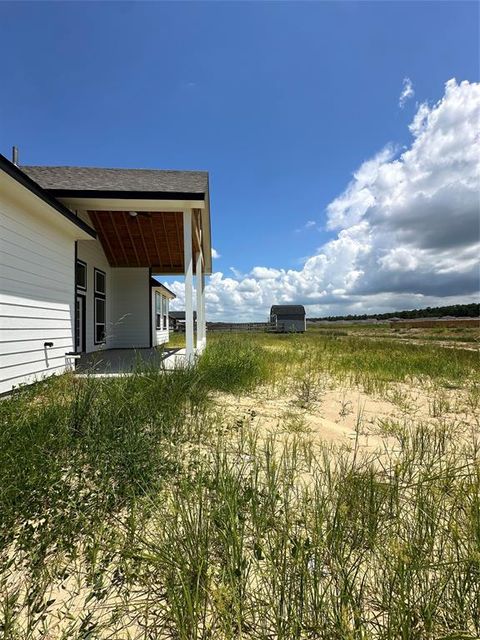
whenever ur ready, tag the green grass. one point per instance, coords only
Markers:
(357, 360)
(133, 508)
(176, 340)
(232, 364)
(67, 436)
(447, 335)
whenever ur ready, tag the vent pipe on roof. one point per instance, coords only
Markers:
(15, 155)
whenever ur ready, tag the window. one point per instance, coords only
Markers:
(81, 275)
(161, 311)
(100, 306)
(100, 282)
(165, 313)
(158, 310)
(100, 313)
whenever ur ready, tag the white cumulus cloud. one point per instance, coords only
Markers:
(215, 253)
(407, 92)
(407, 229)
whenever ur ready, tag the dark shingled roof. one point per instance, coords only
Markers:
(287, 309)
(114, 180)
(180, 315)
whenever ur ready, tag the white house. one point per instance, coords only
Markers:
(78, 251)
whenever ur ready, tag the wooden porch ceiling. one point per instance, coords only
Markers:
(151, 239)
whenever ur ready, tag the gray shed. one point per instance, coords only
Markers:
(177, 320)
(288, 317)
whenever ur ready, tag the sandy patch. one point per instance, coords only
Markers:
(345, 416)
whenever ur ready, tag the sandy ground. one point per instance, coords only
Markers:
(334, 415)
(343, 416)
(446, 344)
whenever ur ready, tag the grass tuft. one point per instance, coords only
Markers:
(233, 364)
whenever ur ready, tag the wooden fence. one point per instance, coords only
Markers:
(240, 326)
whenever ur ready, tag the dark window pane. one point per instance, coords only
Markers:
(99, 332)
(99, 282)
(77, 319)
(81, 275)
(100, 310)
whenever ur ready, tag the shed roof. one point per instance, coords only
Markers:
(281, 309)
(180, 315)
(93, 179)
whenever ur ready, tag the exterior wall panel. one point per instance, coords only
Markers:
(129, 325)
(293, 325)
(36, 295)
(161, 336)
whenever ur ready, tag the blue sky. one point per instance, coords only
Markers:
(281, 102)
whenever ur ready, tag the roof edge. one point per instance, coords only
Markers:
(288, 307)
(97, 168)
(22, 178)
(126, 195)
(158, 285)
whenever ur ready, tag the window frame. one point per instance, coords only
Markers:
(95, 290)
(161, 311)
(158, 311)
(165, 312)
(100, 296)
(98, 324)
(79, 286)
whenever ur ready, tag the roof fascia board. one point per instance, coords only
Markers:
(126, 195)
(127, 204)
(167, 292)
(207, 233)
(206, 240)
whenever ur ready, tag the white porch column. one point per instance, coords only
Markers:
(198, 284)
(204, 319)
(187, 252)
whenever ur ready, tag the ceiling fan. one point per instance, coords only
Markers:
(134, 214)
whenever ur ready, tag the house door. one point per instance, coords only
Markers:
(79, 324)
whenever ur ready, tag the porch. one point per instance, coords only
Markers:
(151, 243)
(119, 362)
(148, 223)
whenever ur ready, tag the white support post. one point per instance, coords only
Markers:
(204, 319)
(198, 283)
(187, 252)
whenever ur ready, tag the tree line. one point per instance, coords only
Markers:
(457, 310)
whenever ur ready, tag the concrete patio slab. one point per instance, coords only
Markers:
(121, 362)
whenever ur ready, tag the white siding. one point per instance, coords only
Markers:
(161, 336)
(129, 325)
(36, 294)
